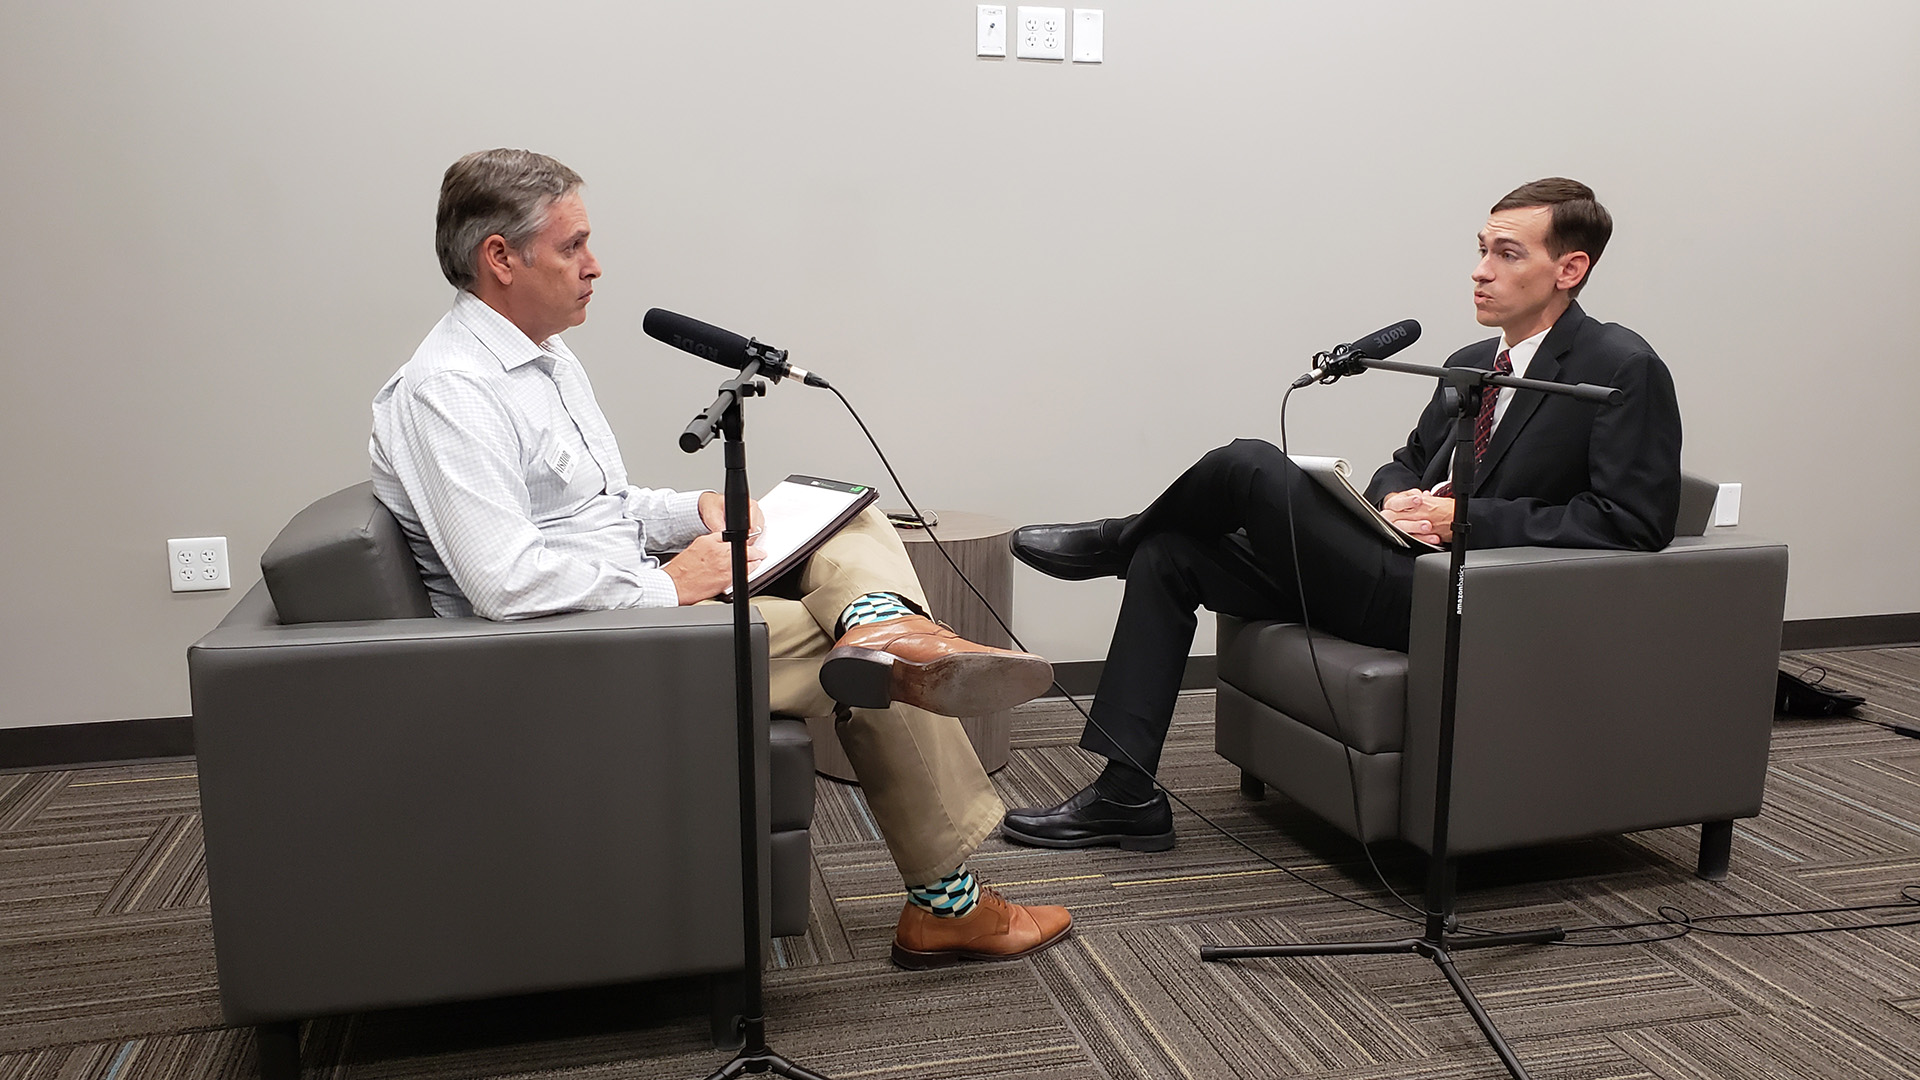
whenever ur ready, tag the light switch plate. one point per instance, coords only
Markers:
(1089, 35)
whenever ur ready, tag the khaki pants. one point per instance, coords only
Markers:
(923, 781)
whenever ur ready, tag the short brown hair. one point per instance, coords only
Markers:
(1579, 222)
(488, 192)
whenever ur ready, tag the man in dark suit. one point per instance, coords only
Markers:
(1246, 533)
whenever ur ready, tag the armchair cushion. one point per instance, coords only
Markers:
(1275, 663)
(344, 558)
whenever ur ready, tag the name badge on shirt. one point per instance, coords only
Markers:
(562, 463)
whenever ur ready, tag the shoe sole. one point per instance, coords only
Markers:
(963, 684)
(914, 960)
(1125, 842)
(1064, 572)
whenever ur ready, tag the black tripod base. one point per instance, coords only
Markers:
(1436, 948)
(756, 1058)
(765, 1061)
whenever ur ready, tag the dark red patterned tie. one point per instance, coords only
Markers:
(1489, 398)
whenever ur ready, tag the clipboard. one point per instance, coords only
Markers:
(1336, 476)
(801, 512)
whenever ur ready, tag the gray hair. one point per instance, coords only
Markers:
(489, 192)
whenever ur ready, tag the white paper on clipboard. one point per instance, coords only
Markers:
(801, 512)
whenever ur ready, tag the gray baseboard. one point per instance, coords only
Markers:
(1081, 677)
(109, 742)
(1851, 632)
(121, 741)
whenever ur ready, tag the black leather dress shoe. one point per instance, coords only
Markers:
(1090, 819)
(1089, 549)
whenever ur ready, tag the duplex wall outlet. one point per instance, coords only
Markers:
(1043, 33)
(198, 563)
(1089, 35)
(990, 30)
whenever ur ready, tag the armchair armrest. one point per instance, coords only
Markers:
(1600, 691)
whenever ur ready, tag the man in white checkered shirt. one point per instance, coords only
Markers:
(490, 450)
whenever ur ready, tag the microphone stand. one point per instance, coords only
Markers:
(725, 417)
(1462, 395)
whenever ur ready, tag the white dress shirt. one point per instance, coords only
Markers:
(1521, 357)
(502, 470)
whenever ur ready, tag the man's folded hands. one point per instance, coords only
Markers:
(1420, 515)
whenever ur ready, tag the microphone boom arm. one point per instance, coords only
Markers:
(1464, 377)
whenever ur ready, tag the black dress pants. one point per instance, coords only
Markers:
(1245, 533)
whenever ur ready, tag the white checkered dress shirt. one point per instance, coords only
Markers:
(500, 466)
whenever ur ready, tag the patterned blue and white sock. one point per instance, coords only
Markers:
(874, 607)
(950, 897)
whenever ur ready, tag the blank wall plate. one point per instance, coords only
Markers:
(990, 30)
(198, 563)
(1089, 35)
(1726, 506)
(1041, 33)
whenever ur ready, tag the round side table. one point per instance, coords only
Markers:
(978, 543)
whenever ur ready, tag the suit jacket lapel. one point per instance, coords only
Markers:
(1545, 367)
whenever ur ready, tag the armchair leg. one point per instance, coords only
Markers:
(277, 1049)
(1716, 850)
(727, 1005)
(1252, 786)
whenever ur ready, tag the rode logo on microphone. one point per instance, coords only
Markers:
(696, 347)
(1390, 335)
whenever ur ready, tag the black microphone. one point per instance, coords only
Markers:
(1375, 346)
(723, 347)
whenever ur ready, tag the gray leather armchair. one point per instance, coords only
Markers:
(401, 809)
(1601, 692)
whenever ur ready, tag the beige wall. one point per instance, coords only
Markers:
(1047, 286)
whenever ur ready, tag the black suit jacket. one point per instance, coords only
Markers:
(1561, 472)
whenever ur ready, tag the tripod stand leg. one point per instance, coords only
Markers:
(1479, 1015)
(1335, 948)
(1494, 941)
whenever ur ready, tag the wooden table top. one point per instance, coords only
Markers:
(957, 526)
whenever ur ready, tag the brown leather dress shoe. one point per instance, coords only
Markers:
(918, 661)
(996, 929)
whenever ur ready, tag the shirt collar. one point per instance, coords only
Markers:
(1522, 354)
(499, 336)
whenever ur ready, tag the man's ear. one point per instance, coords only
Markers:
(1573, 270)
(496, 259)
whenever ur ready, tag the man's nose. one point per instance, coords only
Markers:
(1482, 270)
(591, 267)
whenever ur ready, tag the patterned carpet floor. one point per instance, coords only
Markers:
(107, 972)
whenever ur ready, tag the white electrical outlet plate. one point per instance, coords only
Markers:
(990, 30)
(198, 563)
(1089, 35)
(1726, 506)
(1042, 33)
